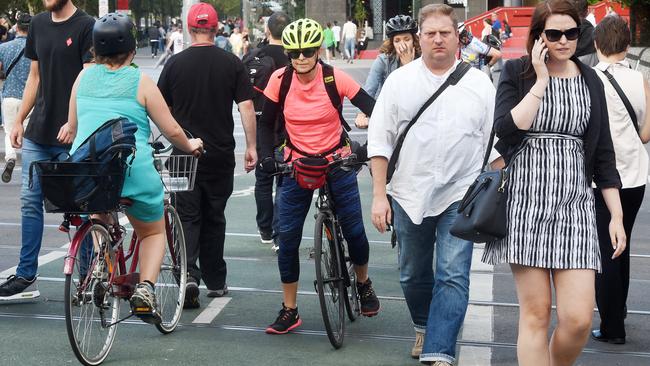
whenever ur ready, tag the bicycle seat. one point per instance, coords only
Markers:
(126, 202)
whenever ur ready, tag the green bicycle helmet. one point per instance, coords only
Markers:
(301, 34)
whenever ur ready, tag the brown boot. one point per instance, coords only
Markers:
(416, 351)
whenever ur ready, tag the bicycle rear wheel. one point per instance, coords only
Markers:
(91, 308)
(329, 282)
(170, 287)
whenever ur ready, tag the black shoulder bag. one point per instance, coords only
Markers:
(453, 79)
(482, 211)
(626, 102)
(5, 75)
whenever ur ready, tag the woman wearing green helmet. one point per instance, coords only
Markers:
(309, 95)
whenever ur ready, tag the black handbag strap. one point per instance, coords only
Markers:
(14, 62)
(488, 150)
(453, 79)
(626, 102)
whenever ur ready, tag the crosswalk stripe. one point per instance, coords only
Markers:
(214, 308)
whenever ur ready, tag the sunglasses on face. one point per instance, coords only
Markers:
(309, 52)
(554, 35)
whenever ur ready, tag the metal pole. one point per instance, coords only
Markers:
(187, 4)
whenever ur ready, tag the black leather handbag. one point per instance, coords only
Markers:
(482, 211)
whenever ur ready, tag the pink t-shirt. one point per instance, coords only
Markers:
(311, 120)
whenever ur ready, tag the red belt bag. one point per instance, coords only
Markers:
(310, 173)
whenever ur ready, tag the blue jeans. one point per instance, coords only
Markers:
(32, 207)
(293, 207)
(437, 302)
(350, 44)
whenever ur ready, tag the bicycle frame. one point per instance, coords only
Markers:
(325, 205)
(125, 280)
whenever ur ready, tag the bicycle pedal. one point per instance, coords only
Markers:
(147, 315)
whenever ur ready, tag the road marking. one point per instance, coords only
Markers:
(243, 192)
(479, 320)
(42, 260)
(211, 312)
(362, 336)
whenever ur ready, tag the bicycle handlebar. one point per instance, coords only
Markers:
(160, 148)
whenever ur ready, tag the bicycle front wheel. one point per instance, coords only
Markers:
(170, 287)
(91, 307)
(329, 282)
(352, 305)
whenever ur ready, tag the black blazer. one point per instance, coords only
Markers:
(600, 161)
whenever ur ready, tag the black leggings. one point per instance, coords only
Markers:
(613, 283)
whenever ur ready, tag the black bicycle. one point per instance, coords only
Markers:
(336, 279)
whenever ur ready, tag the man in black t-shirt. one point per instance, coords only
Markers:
(200, 85)
(58, 44)
(265, 218)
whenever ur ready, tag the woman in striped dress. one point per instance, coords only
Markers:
(554, 134)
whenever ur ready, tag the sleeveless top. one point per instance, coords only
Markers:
(104, 94)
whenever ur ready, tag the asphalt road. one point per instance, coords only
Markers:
(34, 333)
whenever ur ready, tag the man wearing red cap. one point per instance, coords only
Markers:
(200, 85)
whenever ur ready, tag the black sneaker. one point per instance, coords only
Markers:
(191, 294)
(266, 237)
(18, 288)
(9, 168)
(287, 320)
(368, 299)
(143, 303)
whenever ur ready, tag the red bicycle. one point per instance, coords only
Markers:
(99, 272)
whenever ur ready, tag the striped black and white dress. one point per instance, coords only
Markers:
(551, 215)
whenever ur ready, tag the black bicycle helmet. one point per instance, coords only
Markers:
(400, 24)
(113, 34)
(464, 33)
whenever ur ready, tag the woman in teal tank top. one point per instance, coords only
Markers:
(113, 88)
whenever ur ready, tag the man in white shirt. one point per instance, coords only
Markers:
(336, 29)
(176, 40)
(441, 156)
(349, 36)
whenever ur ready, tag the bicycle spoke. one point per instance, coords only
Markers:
(90, 301)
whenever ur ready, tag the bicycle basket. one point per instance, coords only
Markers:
(81, 187)
(178, 173)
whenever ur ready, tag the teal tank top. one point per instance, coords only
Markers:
(104, 94)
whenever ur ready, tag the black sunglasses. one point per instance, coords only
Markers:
(307, 52)
(554, 35)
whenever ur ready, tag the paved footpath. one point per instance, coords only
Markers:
(230, 331)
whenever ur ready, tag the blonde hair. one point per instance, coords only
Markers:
(437, 9)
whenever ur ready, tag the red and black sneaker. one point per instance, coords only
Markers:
(287, 320)
(369, 301)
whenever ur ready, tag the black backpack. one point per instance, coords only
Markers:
(335, 98)
(260, 66)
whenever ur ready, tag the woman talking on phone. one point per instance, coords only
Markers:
(552, 123)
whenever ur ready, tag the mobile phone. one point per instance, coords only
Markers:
(546, 57)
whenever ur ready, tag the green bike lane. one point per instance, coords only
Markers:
(235, 336)
(34, 333)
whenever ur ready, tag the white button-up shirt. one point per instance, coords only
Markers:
(443, 152)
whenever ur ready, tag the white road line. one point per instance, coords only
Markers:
(478, 319)
(211, 312)
(42, 260)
